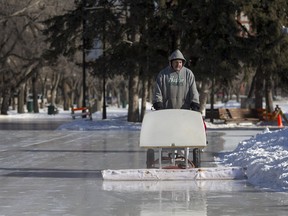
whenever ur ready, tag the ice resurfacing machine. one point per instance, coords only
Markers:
(173, 134)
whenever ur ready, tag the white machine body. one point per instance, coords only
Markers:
(173, 128)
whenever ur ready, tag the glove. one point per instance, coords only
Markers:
(195, 106)
(158, 105)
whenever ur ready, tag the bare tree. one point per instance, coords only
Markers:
(22, 45)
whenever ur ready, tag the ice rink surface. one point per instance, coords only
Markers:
(48, 172)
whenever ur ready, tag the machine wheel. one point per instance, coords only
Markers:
(196, 157)
(150, 158)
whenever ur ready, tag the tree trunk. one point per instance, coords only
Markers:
(144, 96)
(21, 99)
(34, 94)
(252, 87)
(5, 101)
(204, 94)
(123, 92)
(74, 96)
(79, 99)
(14, 102)
(55, 83)
(268, 93)
(259, 88)
(150, 89)
(133, 110)
(43, 91)
(66, 99)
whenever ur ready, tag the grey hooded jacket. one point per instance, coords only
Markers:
(176, 89)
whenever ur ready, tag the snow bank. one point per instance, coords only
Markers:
(266, 158)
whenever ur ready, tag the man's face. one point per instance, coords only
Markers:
(177, 64)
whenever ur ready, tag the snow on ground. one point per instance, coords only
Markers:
(265, 156)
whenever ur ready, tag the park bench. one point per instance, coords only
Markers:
(238, 115)
(80, 112)
(209, 113)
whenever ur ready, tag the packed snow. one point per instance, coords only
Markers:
(264, 156)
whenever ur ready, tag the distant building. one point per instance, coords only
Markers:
(246, 25)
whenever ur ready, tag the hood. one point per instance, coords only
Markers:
(177, 55)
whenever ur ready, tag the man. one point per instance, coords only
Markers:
(176, 86)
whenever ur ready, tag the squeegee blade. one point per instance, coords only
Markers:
(213, 173)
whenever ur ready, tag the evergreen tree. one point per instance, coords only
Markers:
(213, 44)
(266, 44)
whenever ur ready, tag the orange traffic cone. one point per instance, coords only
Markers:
(279, 120)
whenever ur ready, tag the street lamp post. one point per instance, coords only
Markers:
(84, 56)
(104, 113)
(212, 97)
(84, 9)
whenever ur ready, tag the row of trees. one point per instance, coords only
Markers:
(130, 41)
(22, 44)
